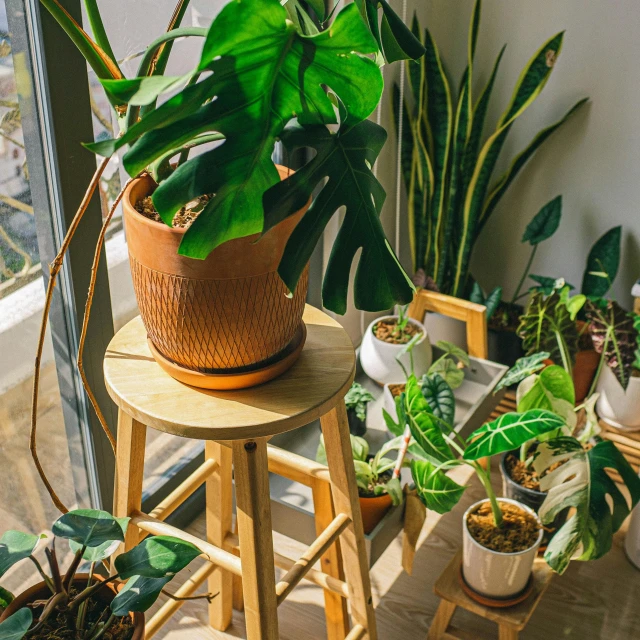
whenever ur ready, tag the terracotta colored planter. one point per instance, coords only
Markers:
(584, 372)
(373, 510)
(228, 313)
(40, 591)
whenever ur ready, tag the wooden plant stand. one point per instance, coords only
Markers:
(236, 427)
(510, 620)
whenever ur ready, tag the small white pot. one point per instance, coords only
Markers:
(378, 358)
(617, 407)
(632, 541)
(389, 402)
(491, 573)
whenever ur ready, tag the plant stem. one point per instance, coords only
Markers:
(45, 577)
(91, 590)
(73, 567)
(53, 564)
(525, 274)
(107, 624)
(486, 483)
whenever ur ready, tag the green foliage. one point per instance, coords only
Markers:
(602, 264)
(449, 366)
(523, 368)
(636, 326)
(88, 527)
(139, 594)
(491, 301)
(6, 598)
(446, 165)
(545, 223)
(436, 489)
(16, 626)
(101, 551)
(357, 399)
(583, 484)
(439, 397)
(14, 547)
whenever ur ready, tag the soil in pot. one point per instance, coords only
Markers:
(397, 389)
(374, 507)
(387, 331)
(519, 531)
(183, 219)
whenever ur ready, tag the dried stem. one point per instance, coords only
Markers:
(205, 596)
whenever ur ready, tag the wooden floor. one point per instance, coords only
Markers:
(595, 600)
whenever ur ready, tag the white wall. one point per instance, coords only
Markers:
(594, 160)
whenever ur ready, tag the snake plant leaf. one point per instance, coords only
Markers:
(88, 527)
(138, 594)
(505, 180)
(523, 368)
(104, 550)
(509, 431)
(440, 397)
(423, 426)
(156, 557)
(545, 223)
(582, 484)
(602, 264)
(345, 158)
(615, 337)
(15, 627)
(435, 488)
(16, 546)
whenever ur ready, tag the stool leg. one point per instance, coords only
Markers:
(335, 606)
(335, 429)
(129, 475)
(441, 620)
(219, 515)
(253, 505)
(506, 633)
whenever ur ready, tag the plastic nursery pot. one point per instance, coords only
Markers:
(373, 510)
(584, 372)
(378, 358)
(228, 313)
(40, 591)
(357, 427)
(493, 574)
(617, 407)
(505, 346)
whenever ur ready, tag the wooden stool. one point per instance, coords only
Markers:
(510, 620)
(236, 426)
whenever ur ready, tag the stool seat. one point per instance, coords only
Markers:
(308, 390)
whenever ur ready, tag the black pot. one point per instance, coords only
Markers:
(357, 427)
(505, 346)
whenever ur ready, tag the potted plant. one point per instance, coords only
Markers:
(447, 165)
(86, 606)
(383, 354)
(616, 337)
(219, 242)
(356, 402)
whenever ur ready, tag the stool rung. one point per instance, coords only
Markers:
(217, 556)
(184, 490)
(356, 633)
(187, 589)
(317, 549)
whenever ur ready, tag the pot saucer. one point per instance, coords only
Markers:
(236, 378)
(496, 603)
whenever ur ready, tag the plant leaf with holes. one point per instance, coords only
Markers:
(509, 431)
(602, 264)
(440, 397)
(523, 368)
(345, 158)
(435, 488)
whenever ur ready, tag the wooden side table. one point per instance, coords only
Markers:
(236, 426)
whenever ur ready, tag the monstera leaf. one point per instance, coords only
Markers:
(440, 397)
(615, 337)
(435, 488)
(345, 158)
(523, 368)
(582, 482)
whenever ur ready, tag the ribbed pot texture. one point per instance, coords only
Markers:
(228, 312)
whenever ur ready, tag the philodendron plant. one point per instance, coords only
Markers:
(268, 71)
(446, 164)
(92, 536)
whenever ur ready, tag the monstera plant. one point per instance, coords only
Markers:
(447, 165)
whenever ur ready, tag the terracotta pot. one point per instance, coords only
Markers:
(227, 313)
(40, 591)
(584, 372)
(373, 510)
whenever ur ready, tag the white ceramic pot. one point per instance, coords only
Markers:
(442, 327)
(632, 541)
(491, 573)
(378, 358)
(389, 402)
(617, 407)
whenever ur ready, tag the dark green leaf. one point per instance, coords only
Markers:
(88, 527)
(545, 223)
(14, 547)
(440, 397)
(138, 594)
(492, 301)
(435, 488)
(509, 431)
(394, 427)
(346, 158)
(602, 264)
(104, 550)
(16, 626)
(6, 598)
(156, 557)
(523, 368)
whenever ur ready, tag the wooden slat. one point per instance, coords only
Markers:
(441, 620)
(294, 467)
(311, 556)
(356, 633)
(219, 557)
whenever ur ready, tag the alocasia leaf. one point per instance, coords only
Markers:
(523, 368)
(435, 488)
(345, 158)
(581, 482)
(615, 337)
(545, 223)
(440, 397)
(602, 264)
(547, 285)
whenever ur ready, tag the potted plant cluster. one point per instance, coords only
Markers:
(88, 606)
(356, 402)
(447, 164)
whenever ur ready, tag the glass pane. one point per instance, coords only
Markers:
(24, 503)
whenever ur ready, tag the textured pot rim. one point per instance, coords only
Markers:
(425, 335)
(514, 554)
(508, 478)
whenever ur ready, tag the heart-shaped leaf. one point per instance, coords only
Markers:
(14, 547)
(448, 370)
(435, 488)
(88, 527)
(545, 223)
(602, 264)
(16, 626)
(440, 397)
(104, 550)
(523, 368)
(156, 557)
(138, 594)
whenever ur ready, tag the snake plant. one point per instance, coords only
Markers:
(446, 164)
